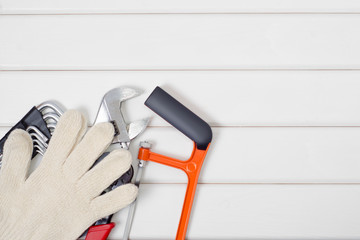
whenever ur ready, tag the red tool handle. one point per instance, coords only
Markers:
(99, 232)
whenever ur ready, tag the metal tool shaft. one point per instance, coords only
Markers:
(133, 204)
(132, 207)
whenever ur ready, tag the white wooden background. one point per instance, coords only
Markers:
(278, 80)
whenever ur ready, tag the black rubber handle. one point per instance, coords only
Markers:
(180, 117)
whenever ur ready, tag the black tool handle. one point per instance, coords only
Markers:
(32, 118)
(180, 117)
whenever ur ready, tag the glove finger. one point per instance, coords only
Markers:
(95, 142)
(114, 200)
(105, 172)
(68, 133)
(18, 149)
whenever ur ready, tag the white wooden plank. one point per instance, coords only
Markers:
(222, 98)
(248, 212)
(263, 155)
(179, 41)
(260, 155)
(178, 6)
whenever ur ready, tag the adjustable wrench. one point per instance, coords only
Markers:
(110, 111)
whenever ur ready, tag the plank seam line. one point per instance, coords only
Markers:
(183, 13)
(189, 70)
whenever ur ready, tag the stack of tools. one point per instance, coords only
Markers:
(40, 123)
(110, 111)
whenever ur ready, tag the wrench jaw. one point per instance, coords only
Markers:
(121, 94)
(102, 115)
(110, 111)
(112, 102)
(138, 127)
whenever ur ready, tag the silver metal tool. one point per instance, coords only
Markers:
(50, 106)
(132, 207)
(137, 127)
(40, 123)
(110, 111)
(51, 114)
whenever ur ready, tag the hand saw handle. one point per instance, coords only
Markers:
(99, 232)
(193, 127)
(180, 117)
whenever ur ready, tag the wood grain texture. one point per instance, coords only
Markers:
(194, 41)
(236, 98)
(260, 155)
(178, 6)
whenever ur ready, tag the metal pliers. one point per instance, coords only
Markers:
(110, 111)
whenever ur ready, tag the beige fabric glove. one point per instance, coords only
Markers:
(60, 199)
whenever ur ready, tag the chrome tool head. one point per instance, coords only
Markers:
(110, 111)
(137, 127)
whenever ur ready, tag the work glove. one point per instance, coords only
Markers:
(60, 199)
